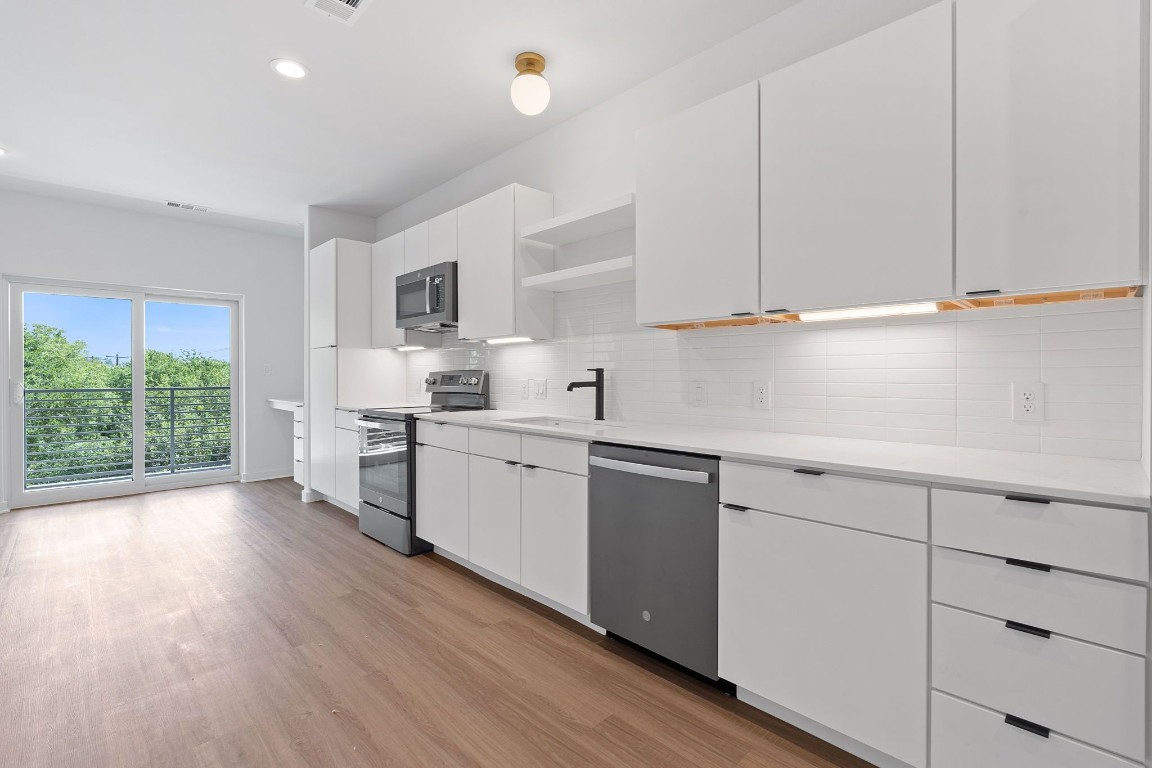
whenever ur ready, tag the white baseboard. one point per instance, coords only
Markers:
(577, 617)
(823, 732)
(268, 474)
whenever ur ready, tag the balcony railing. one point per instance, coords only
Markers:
(76, 436)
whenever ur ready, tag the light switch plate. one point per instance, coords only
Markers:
(1027, 401)
(538, 388)
(697, 393)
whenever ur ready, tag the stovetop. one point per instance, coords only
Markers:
(416, 410)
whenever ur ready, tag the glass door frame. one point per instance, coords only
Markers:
(13, 452)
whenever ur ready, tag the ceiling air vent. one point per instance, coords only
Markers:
(347, 11)
(186, 206)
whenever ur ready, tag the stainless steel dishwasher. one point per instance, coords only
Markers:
(653, 540)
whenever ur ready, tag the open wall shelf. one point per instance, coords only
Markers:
(588, 276)
(593, 221)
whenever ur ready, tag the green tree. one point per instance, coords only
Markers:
(52, 361)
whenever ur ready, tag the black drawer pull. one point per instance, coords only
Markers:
(531, 466)
(1028, 629)
(1026, 725)
(512, 463)
(1032, 499)
(780, 311)
(440, 423)
(1029, 564)
(735, 507)
(988, 292)
(805, 471)
(742, 314)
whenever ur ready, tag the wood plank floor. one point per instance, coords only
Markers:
(232, 625)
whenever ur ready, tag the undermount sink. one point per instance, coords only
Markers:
(577, 425)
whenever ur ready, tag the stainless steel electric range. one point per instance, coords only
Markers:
(388, 501)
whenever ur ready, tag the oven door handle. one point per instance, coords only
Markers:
(374, 424)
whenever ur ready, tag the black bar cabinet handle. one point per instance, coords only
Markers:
(1026, 725)
(983, 293)
(780, 311)
(1028, 629)
(512, 463)
(1028, 564)
(735, 507)
(742, 314)
(440, 423)
(1032, 499)
(805, 471)
(531, 466)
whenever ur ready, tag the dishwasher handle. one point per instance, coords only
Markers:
(648, 470)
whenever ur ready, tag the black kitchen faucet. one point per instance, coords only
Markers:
(599, 385)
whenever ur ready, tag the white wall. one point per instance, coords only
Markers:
(43, 237)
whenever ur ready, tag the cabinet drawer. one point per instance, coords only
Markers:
(1090, 608)
(298, 413)
(551, 453)
(448, 436)
(871, 505)
(346, 419)
(1084, 691)
(493, 444)
(967, 736)
(1094, 539)
(298, 430)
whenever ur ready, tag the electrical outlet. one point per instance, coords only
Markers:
(697, 393)
(267, 370)
(1028, 401)
(525, 389)
(762, 395)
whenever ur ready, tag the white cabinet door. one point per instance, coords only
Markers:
(697, 212)
(387, 264)
(416, 247)
(829, 622)
(353, 294)
(494, 515)
(442, 498)
(442, 238)
(322, 295)
(347, 447)
(554, 536)
(487, 268)
(856, 170)
(322, 366)
(1048, 143)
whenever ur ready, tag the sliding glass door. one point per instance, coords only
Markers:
(114, 392)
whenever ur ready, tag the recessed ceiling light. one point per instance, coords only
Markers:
(288, 68)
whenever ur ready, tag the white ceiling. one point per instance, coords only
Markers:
(175, 99)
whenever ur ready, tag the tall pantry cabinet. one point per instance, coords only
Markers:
(342, 367)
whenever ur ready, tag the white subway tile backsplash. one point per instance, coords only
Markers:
(935, 379)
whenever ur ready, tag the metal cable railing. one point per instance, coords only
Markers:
(76, 436)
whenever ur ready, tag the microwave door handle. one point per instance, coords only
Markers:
(428, 295)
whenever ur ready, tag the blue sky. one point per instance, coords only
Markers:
(106, 324)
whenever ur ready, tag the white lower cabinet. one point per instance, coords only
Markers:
(348, 467)
(442, 498)
(494, 515)
(554, 536)
(967, 736)
(830, 623)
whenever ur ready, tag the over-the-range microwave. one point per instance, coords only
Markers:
(426, 298)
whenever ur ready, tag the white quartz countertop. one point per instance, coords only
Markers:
(1103, 481)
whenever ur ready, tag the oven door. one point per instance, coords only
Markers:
(427, 297)
(384, 464)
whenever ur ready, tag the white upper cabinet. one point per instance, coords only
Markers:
(340, 294)
(494, 259)
(856, 170)
(442, 238)
(416, 247)
(697, 212)
(1048, 143)
(387, 265)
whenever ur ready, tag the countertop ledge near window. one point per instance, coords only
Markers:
(1067, 478)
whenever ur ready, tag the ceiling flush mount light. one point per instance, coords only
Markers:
(510, 340)
(293, 70)
(924, 308)
(530, 91)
